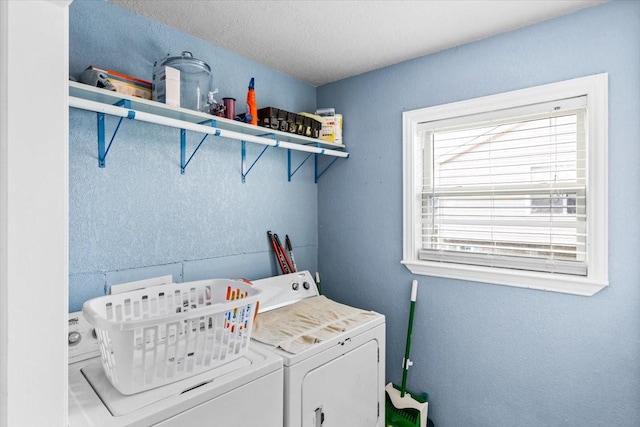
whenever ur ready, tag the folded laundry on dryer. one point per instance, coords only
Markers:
(299, 326)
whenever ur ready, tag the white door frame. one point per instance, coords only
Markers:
(34, 267)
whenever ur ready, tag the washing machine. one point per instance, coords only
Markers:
(333, 354)
(247, 391)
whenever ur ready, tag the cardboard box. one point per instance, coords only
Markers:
(331, 125)
(172, 86)
(166, 85)
(126, 84)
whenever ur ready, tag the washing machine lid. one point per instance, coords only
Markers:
(119, 404)
(301, 326)
(93, 401)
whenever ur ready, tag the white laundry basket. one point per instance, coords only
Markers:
(162, 334)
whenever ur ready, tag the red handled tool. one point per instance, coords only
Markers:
(284, 254)
(279, 256)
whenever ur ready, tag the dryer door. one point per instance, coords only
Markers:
(344, 391)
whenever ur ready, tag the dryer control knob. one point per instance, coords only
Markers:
(295, 286)
(306, 285)
(74, 337)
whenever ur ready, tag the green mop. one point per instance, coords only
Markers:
(402, 408)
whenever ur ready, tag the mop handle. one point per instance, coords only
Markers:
(414, 296)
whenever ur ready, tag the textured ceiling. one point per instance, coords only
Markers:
(321, 42)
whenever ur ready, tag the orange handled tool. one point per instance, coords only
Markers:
(252, 105)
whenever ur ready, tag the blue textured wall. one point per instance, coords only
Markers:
(489, 355)
(139, 217)
(493, 355)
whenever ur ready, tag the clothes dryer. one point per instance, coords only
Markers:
(333, 354)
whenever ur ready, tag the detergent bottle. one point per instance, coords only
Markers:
(252, 105)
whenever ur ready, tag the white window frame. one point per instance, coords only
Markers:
(595, 88)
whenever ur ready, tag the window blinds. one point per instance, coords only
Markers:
(507, 189)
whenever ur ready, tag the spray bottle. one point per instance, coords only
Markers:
(252, 105)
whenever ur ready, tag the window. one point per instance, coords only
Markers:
(511, 188)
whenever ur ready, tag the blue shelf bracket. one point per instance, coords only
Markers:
(317, 166)
(245, 169)
(183, 146)
(289, 172)
(102, 150)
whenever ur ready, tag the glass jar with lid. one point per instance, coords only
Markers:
(195, 80)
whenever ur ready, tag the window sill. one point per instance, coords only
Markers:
(562, 283)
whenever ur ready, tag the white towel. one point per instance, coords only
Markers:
(298, 326)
